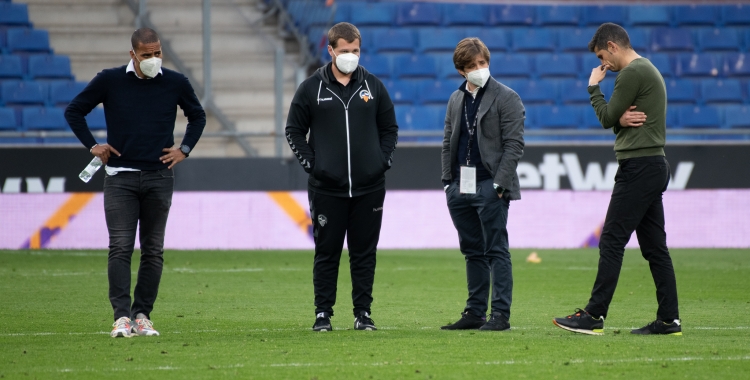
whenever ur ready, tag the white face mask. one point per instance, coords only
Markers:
(479, 77)
(346, 62)
(149, 67)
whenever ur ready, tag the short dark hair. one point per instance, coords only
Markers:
(343, 30)
(467, 49)
(143, 36)
(609, 32)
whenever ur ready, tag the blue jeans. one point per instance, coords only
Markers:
(130, 198)
(481, 221)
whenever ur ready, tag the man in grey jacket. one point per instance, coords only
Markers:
(482, 145)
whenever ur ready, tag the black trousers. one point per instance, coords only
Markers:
(130, 198)
(359, 220)
(636, 205)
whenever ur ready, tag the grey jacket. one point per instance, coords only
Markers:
(499, 134)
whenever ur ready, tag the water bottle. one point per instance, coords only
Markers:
(90, 170)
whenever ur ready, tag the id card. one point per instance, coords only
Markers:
(468, 184)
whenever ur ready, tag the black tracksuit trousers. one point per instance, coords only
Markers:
(636, 205)
(359, 220)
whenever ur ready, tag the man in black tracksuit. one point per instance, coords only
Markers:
(352, 125)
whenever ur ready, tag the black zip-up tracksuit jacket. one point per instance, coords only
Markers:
(352, 138)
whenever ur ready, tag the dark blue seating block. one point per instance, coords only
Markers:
(649, 15)
(420, 118)
(373, 14)
(392, 39)
(28, 40)
(558, 15)
(532, 39)
(640, 38)
(599, 14)
(343, 12)
(721, 91)
(495, 39)
(415, 66)
(402, 91)
(465, 14)
(95, 119)
(437, 92)
(554, 117)
(49, 66)
(589, 120)
(8, 119)
(446, 68)
(738, 14)
(574, 91)
(701, 65)
(512, 15)
(718, 39)
(61, 93)
(44, 118)
(378, 65)
(575, 40)
(672, 39)
(14, 14)
(737, 65)
(557, 65)
(737, 116)
(510, 65)
(663, 62)
(439, 39)
(10, 67)
(434, 119)
(696, 15)
(418, 14)
(699, 117)
(535, 91)
(23, 92)
(682, 91)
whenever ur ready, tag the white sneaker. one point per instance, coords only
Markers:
(144, 327)
(122, 328)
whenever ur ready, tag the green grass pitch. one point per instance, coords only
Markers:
(230, 314)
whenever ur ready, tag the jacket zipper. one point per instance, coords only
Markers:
(348, 144)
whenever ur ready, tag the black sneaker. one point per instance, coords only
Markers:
(322, 322)
(467, 322)
(660, 327)
(581, 322)
(497, 322)
(364, 322)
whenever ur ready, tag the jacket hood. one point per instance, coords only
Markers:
(322, 73)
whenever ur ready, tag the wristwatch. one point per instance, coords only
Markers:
(185, 150)
(498, 188)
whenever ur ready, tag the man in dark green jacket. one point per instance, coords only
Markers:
(641, 179)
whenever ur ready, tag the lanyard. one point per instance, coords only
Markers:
(472, 131)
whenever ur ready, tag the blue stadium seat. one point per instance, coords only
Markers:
(588, 118)
(575, 40)
(699, 117)
(663, 62)
(535, 91)
(681, 91)
(49, 66)
(718, 39)
(95, 119)
(649, 15)
(378, 65)
(673, 116)
(512, 15)
(495, 38)
(392, 39)
(721, 91)
(737, 116)
(671, 39)
(8, 119)
(530, 122)
(402, 91)
(557, 65)
(418, 14)
(343, 12)
(437, 92)
(639, 38)
(446, 69)
(61, 93)
(465, 14)
(574, 91)
(434, 117)
(420, 118)
(531, 39)
(558, 15)
(738, 14)
(439, 39)
(696, 15)
(14, 14)
(10, 67)
(737, 65)
(415, 66)
(599, 14)
(701, 65)
(588, 63)
(554, 117)
(28, 40)
(510, 65)
(43, 118)
(373, 14)
(23, 93)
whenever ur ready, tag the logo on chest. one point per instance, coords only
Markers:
(365, 95)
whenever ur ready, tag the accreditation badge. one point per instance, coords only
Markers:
(468, 184)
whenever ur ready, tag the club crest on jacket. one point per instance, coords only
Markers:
(365, 95)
